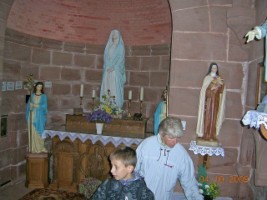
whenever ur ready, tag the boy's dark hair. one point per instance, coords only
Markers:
(126, 154)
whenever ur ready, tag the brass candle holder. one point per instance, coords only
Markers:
(81, 101)
(141, 106)
(93, 106)
(129, 107)
(79, 110)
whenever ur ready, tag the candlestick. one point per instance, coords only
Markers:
(93, 98)
(130, 95)
(141, 107)
(93, 94)
(142, 94)
(81, 101)
(129, 106)
(81, 91)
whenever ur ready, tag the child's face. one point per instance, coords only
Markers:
(120, 171)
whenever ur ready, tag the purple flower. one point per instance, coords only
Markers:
(99, 115)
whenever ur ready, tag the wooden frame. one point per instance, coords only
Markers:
(3, 125)
(261, 84)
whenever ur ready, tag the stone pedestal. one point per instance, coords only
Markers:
(37, 170)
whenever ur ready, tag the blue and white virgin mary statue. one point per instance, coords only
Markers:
(114, 78)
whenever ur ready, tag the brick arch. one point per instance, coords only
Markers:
(141, 22)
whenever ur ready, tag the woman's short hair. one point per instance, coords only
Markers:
(126, 155)
(171, 126)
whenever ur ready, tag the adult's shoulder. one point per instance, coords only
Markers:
(148, 141)
(179, 147)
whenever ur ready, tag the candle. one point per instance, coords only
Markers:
(142, 94)
(81, 91)
(93, 94)
(130, 95)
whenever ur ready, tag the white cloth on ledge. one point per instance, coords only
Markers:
(94, 138)
(254, 119)
(206, 150)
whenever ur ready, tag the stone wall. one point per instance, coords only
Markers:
(9, 167)
(213, 31)
(203, 31)
(66, 66)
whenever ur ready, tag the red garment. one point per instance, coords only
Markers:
(212, 103)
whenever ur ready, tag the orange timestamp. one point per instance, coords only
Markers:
(222, 179)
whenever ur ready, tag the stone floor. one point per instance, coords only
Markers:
(14, 192)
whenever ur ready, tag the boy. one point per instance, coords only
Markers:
(125, 185)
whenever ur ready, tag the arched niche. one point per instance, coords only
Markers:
(53, 41)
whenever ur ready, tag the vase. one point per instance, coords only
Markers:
(207, 197)
(99, 128)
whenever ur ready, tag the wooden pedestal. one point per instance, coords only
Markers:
(204, 160)
(37, 170)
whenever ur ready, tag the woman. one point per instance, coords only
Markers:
(211, 105)
(36, 112)
(114, 77)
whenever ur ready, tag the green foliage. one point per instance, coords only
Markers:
(205, 188)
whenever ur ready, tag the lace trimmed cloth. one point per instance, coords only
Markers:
(254, 119)
(116, 141)
(206, 150)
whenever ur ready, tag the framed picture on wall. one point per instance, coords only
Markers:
(261, 84)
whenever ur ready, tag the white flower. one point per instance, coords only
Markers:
(201, 191)
(207, 186)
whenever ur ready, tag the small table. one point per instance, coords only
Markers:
(256, 119)
(205, 152)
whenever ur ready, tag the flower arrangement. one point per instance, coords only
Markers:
(29, 83)
(99, 115)
(109, 105)
(211, 190)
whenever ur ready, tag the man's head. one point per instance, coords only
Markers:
(123, 162)
(170, 129)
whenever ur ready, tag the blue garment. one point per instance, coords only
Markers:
(159, 115)
(40, 113)
(114, 58)
(263, 30)
(162, 166)
(132, 189)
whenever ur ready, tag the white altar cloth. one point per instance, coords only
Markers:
(94, 138)
(205, 150)
(254, 119)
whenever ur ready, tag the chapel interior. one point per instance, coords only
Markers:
(168, 43)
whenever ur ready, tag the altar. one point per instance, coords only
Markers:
(117, 127)
(76, 156)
